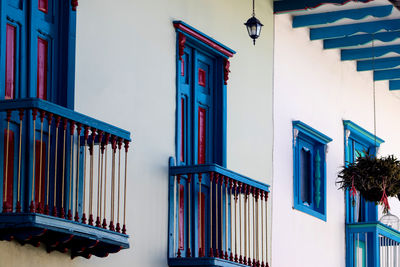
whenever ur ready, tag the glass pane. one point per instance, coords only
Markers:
(305, 176)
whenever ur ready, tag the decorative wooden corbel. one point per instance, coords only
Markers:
(227, 65)
(74, 4)
(295, 135)
(182, 41)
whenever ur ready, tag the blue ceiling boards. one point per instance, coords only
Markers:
(365, 31)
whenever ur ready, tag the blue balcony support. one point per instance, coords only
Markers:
(378, 64)
(381, 75)
(297, 5)
(369, 52)
(361, 39)
(351, 29)
(331, 17)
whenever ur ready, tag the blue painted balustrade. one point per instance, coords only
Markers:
(374, 244)
(63, 179)
(216, 217)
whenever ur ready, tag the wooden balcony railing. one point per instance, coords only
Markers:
(217, 217)
(64, 179)
(372, 244)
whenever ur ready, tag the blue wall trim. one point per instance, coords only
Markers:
(311, 132)
(359, 133)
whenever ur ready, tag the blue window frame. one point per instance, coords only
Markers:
(357, 141)
(309, 169)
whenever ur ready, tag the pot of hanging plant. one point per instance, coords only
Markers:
(375, 178)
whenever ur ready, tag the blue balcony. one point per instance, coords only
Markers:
(216, 217)
(372, 244)
(63, 179)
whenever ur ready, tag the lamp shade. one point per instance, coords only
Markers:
(253, 26)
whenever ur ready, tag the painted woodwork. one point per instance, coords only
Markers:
(182, 27)
(227, 70)
(74, 4)
(290, 5)
(202, 222)
(350, 29)
(392, 74)
(331, 17)
(42, 68)
(394, 85)
(44, 5)
(202, 136)
(309, 170)
(369, 52)
(183, 127)
(10, 61)
(10, 167)
(377, 64)
(318, 180)
(181, 217)
(202, 77)
(40, 172)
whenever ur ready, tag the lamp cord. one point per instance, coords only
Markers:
(374, 87)
(254, 13)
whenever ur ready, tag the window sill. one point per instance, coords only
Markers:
(310, 211)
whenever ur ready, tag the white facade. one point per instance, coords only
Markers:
(314, 86)
(125, 75)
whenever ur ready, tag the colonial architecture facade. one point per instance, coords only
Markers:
(157, 133)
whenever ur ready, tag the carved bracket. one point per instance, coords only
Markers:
(227, 65)
(182, 41)
(74, 4)
(348, 132)
(295, 135)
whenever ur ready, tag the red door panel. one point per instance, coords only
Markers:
(10, 62)
(202, 136)
(42, 69)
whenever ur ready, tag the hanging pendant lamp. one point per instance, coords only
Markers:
(253, 26)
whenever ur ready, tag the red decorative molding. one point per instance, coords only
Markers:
(206, 40)
(227, 65)
(74, 4)
(202, 77)
(182, 41)
(44, 5)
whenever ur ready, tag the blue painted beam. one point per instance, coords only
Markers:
(394, 85)
(369, 52)
(378, 64)
(285, 6)
(331, 17)
(351, 29)
(381, 75)
(361, 39)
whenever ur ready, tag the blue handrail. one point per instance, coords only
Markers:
(206, 168)
(31, 103)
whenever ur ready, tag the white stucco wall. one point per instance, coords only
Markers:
(314, 86)
(125, 75)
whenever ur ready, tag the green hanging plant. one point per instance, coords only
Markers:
(376, 178)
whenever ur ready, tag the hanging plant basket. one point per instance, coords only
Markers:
(375, 178)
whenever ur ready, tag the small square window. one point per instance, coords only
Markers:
(309, 170)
